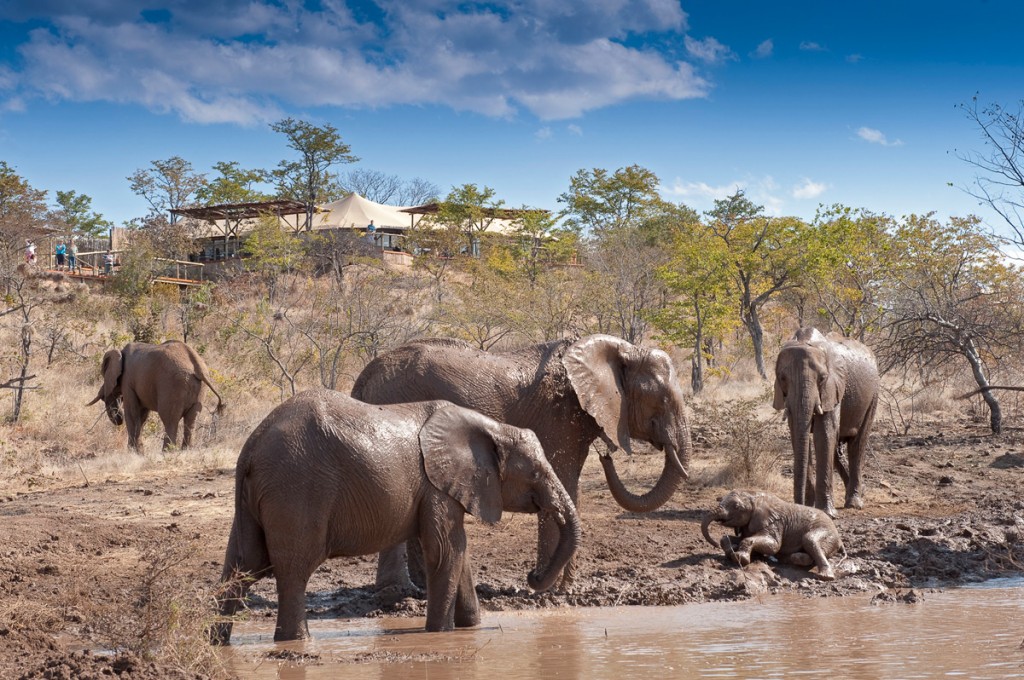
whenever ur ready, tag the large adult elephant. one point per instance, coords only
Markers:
(327, 476)
(828, 388)
(568, 392)
(166, 378)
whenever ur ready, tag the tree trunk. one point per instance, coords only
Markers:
(697, 371)
(995, 411)
(752, 321)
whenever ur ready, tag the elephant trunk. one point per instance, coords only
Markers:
(672, 475)
(564, 514)
(800, 433)
(714, 516)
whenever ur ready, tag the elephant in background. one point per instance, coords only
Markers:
(327, 476)
(768, 525)
(568, 392)
(828, 390)
(166, 378)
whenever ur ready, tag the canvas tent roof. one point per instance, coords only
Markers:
(355, 212)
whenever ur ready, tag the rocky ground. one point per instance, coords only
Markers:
(127, 562)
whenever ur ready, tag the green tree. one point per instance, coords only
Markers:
(233, 185)
(272, 250)
(849, 261)
(75, 216)
(310, 179)
(23, 214)
(468, 210)
(951, 296)
(167, 185)
(537, 242)
(699, 276)
(768, 256)
(598, 202)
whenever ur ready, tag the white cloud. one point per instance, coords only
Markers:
(854, 58)
(574, 129)
(242, 61)
(543, 133)
(708, 50)
(764, 50)
(808, 189)
(876, 137)
(701, 190)
(811, 46)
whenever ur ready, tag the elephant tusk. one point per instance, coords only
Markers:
(817, 410)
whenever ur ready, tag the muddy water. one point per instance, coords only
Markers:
(966, 633)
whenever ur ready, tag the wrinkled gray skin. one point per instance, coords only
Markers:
(569, 393)
(828, 388)
(766, 524)
(166, 378)
(327, 476)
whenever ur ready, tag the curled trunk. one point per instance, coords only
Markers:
(705, 526)
(543, 578)
(672, 475)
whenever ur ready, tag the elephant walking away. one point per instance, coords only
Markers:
(166, 378)
(766, 524)
(568, 392)
(327, 476)
(828, 389)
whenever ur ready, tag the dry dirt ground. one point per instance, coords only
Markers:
(106, 563)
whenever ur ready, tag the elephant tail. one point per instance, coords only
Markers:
(220, 401)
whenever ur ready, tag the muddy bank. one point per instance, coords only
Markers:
(940, 510)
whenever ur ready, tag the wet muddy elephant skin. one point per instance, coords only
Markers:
(327, 476)
(828, 390)
(166, 378)
(768, 525)
(568, 392)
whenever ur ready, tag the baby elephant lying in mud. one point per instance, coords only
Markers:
(764, 523)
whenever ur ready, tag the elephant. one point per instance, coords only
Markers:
(764, 523)
(568, 392)
(327, 476)
(828, 390)
(166, 378)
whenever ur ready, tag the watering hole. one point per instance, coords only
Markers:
(973, 632)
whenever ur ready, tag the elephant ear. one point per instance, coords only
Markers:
(596, 366)
(834, 385)
(111, 368)
(779, 402)
(462, 458)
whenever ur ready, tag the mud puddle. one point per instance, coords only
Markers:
(972, 632)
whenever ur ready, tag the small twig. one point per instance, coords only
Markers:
(83, 472)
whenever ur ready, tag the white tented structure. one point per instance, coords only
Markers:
(358, 213)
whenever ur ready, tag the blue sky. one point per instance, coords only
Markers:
(798, 103)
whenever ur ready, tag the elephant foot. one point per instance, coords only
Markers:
(727, 548)
(826, 573)
(390, 595)
(855, 502)
(467, 619)
(220, 633)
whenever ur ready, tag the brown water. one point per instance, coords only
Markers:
(959, 633)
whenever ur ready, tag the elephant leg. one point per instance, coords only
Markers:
(134, 418)
(812, 543)
(760, 543)
(291, 605)
(393, 569)
(824, 450)
(188, 426)
(800, 559)
(245, 562)
(467, 606)
(856, 451)
(170, 422)
(729, 549)
(444, 553)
